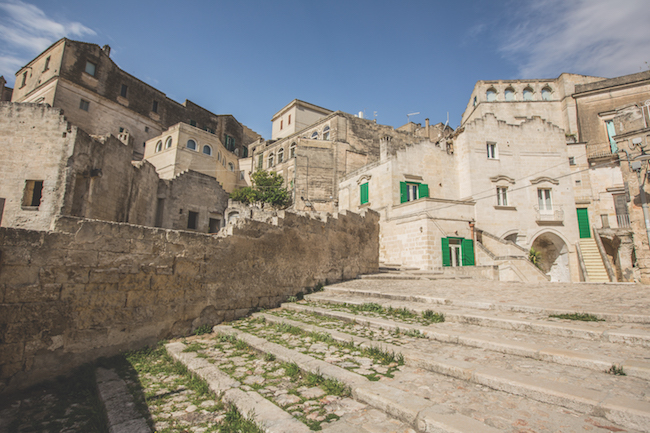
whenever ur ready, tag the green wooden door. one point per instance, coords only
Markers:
(446, 260)
(583, 223)
(468, 252)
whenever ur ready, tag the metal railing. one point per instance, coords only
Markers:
(552, 213)
(623, 221)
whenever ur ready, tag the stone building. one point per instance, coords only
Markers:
(5, 92)
(51, 168)
(97, 95)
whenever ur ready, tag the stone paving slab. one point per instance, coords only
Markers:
(625, 301)
(120, 407)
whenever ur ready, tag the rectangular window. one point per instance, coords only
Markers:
(364, 193)
(47, 64)
(572, 160)
(121, 129)
(33, 193)
(260, 161)
(154, 106)
(413, 191)
(492, 151)
(544, 200)
(214, 226)
(24, 82)
(192, 220)
(91, 68)
(457, 252)
(289, 121)
(611, 132)
(193, 122)
(281, 123)
(229, 142)
(84, 105)
(502, 196)
(123, 90)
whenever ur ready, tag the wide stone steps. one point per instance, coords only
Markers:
(593, 261)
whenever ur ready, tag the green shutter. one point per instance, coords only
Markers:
(611, 132)
(467, 250)
(364, 193)
(403, 192)
(446, 260)
(583, 223)
(423, 190)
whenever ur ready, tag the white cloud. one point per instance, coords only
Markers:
(25, 31)
(594, 37)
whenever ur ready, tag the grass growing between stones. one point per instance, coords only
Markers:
(616, 370)
(66, 404)
(585, 317)
(401, 314)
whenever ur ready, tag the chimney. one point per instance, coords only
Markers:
(107, 50)
(426, 125)
(383, 147)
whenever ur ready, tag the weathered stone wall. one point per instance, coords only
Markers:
(95, 288)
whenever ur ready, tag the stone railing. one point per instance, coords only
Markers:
(549, 214)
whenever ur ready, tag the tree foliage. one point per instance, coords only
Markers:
(267, 188)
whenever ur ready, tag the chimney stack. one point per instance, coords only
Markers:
(107, 50)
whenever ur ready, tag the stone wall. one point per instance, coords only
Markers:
(95, 288)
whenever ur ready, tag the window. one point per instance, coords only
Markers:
(47, 64)
(242, 175)
(270, 161)
(314, 135)
(363, 192)
(245, 153)
(572, 160)
(213, 225)
(231, 166)
(123, 90)
(229, 142)
(281, 155)
(168, 143)
(192, 220)
(510, 94)
(84, 105)
(611, 133)
(207, 150)
(544, 200)
(154, 106)
(491, 95)
(289, 121)
(475, 101)
(326, 133)
(159, 146)
(292, 150)
(457, 252)
(146, 129)
(502, 196)
(528, 94)
(121, 129)
(546, 93)
(33, 193)
(281, 123)
(191, 144)
(492, 150)
(91, 68)
(411, 191)
(260, 161)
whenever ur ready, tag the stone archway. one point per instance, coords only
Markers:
(554, 256)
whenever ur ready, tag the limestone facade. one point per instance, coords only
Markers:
(5, 92)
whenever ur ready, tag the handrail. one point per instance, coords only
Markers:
(581, 261)
(603, 256)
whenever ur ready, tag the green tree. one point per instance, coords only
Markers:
(267, 188)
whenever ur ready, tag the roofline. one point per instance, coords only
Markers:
(300, 102)
(39, 56)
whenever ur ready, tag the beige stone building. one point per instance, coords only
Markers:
(5, 92)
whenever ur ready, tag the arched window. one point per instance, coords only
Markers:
(546, 93)
(219, 156)
(491, 94)
(191, 144)
(159, 146)
(281, 155)
(292, 150)
(168, 143)
(528, 94)
(475, 101)
(207, 150)
(231, 166)
(314, 135)
(510, 94)
(270, 160)
(326, 133)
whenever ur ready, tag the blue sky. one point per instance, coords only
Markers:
(250, 58)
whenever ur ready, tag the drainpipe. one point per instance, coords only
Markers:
(636, 166)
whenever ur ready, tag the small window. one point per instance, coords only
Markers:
(510, 94)
(292, 150)
(214, 225)
(413, 191)
(611, 133)
(154, 106)
(24, 82)
(363, 192)
(229, 142)
(218, 156)
(475, 101)
(245, 153)
(544, 200)
(326, 133)
(491, 95)
(123, 90)
(33, 193)
(241, 175)
(168, 143)
(91, 68)
(289, 120)
(492, 151)
(159, 146)
(502, 196)
(146, 129)
(281, 155)
(572, 160)
(192, 220)
(270, 160)
(281, 123)
(260, 161)
(207, 150)
(191, 144)
(546, 93)
(84, 105)
(231, 166)
(192, 122)
(47, 64)
(121, 129)
(528, 94)
(314, 135)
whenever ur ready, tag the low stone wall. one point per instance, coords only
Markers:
(95, 288)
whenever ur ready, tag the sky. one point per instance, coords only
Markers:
(385, 58)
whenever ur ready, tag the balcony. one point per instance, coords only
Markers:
(623, 220)
(549, 215)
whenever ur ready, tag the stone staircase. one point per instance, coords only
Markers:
(593, 261)
(498, 362)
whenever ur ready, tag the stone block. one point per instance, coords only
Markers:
(11, 353)
(19, 275)
(33, 293)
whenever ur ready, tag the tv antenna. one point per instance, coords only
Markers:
(408, 116)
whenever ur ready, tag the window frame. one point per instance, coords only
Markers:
(159, 146)
(168, 142)
(292, 150)
(491, 94)
(33, 194)
(94, 68)
(270, 160)
(124, 90)
(209, 148)
(192, 220)
(502, 196)
(509, 94)
(84, 105)
(547, 93)
(326, 132)
(528, 91)
(154, 106)
(281, 155)
(314, 135)
(363, 193)
(492, 150)
(545, 200)
(196, 145)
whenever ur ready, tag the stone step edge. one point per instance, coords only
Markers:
(249, 403)
(118, 403)
(633, 368)
(419, 412)
(631, 338)
(618, 409)
(611, 317)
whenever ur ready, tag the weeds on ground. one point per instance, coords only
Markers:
(433, 317)
(203, 329)
(616, 370)
(415, 333)
(585, 317)
(235, 422)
